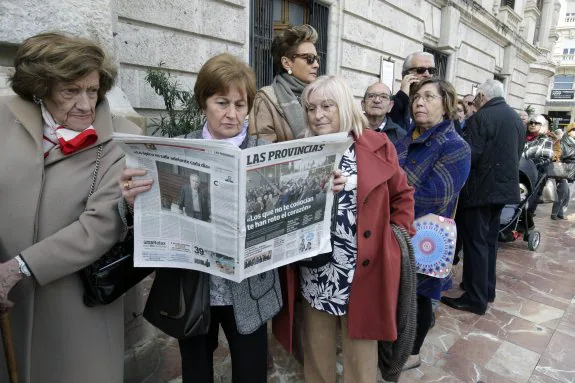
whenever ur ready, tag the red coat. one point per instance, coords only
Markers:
(383, 197)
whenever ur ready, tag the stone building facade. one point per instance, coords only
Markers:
(561, 100)
(510, 40)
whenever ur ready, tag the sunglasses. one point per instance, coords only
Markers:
(310, 58)
(422, 69)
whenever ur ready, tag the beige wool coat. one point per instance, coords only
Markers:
(46, 216)
(267, 120)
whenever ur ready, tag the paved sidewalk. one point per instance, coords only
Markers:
(527, 335)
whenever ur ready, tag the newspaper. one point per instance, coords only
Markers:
(230, 212)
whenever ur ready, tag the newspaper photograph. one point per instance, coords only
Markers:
(230, 212)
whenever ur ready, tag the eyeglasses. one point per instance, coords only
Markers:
(422, 69)
(534, 123)
(310, 58)
(373, 96)
(427, 97)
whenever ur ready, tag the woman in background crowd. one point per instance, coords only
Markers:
(225, 90)
(358, 287)
(461, 112)
(437, 161)
(53, 132)
(277, 114)
(538, 146)
(567, 157)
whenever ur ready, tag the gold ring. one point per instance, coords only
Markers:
(127, 185)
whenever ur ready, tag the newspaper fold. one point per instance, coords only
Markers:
(230, 212)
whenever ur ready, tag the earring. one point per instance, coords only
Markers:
(36, 100)
(289, 71)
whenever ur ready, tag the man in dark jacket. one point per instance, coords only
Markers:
(376, 103)
(496, 136)
(416, 67)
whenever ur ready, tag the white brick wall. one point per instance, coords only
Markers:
(182, 34)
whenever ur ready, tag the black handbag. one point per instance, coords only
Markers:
(114, 273)
(556, 170)
(179, 302)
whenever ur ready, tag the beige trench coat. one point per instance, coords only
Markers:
(45, 216)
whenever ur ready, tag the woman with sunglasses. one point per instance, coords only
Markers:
(277, 114)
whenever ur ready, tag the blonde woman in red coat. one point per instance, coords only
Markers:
(358, 286)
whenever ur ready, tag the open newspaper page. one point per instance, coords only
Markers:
(189, 219)
(288, 200)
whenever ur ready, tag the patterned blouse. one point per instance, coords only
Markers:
(220, 292)
(327, 288)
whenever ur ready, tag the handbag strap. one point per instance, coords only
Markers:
(96, 168)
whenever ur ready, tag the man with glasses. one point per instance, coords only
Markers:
(376, 104)
(496, 136)
(416, 67)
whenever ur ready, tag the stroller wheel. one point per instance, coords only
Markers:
(533, 240)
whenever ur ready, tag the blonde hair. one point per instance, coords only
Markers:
(334, 88)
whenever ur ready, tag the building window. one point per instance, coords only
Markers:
(563, 81)
(508, 3)
(440, 61)
(269, 17)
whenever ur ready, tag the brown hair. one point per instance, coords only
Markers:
(462, 103)
(49, 58)
(221, 72)
(285, 43)
(447, 92)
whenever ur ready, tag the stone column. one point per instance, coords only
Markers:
(546, 24)
(539, 75)
(553, 35)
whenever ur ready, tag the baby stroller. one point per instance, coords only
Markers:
(517, 220)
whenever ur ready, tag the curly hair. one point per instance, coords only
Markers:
(285, 43)
(46, 59)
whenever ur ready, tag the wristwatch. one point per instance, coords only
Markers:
(22, 266)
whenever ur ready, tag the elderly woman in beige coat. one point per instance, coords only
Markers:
(49, 227)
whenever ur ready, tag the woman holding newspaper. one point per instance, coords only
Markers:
(225, 90)
(437, 162)
(358, 283)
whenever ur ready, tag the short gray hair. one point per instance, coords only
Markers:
(491, 89)
(409, 59)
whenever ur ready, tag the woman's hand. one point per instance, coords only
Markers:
(338, 181)
(130, 187)
(9, 276)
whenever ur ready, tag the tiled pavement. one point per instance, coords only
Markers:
(527, 335)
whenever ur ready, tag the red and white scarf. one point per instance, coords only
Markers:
(69, 140)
